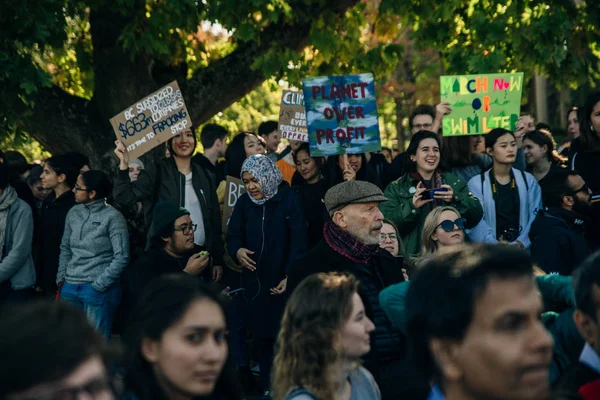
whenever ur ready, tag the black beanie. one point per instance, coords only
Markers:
(165, 213)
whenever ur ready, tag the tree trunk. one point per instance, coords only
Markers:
(62, 122)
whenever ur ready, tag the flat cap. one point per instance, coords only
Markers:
(352, 192)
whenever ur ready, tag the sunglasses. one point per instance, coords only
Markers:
(448, 225)
(584, 189)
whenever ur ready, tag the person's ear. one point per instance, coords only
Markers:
(340, 219)
(568, 201)
(62, 178)
(434, 237)
(93, 195)
(489, 151)
(413, 158)
(149, 349)
(586, 326)
(545, 149)
(445, 355)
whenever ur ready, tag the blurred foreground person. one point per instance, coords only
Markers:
(474, 325)
(321, 343)
(50, 351)
(177, 343)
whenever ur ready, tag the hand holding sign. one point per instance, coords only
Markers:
(349, 174)
(121, 152)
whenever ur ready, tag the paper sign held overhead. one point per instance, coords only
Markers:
(481, 103)
(292, 118)
(341, 114)
(152, 120)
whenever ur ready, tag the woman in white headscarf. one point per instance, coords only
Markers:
(267, 232)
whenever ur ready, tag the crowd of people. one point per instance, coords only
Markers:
(359, 276)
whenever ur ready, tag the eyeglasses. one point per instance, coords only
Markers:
(80, 189)
(584, 189)
(187, 229)
(95, 389)
(448, 225)
(422, 126)
(385, 236)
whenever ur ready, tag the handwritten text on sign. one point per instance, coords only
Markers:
(481, 103)
(341, 113)
(292, 118)
(233, 190)
(152, 120)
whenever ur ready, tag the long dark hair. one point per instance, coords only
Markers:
(236, 154)
(456, 152)
(164, 302)
(97, 181)
(543, 137)
(320, 161)
(335, 175)
(590, 140)
(170, 142)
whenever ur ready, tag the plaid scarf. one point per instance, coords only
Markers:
(437, 180)
(347, 245)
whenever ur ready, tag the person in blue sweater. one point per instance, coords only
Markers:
(94, 251)
(267, 232)
(510, 198)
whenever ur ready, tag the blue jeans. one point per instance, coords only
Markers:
(99, 307)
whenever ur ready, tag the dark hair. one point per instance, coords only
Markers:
(543, 125)
(161, 305)
(335, 175)
(236, 154)
(305, 147)
(56, 335)
(556, 187)
(210, 133)
(417, 138)
(421, 109)
(584, 278)
(267, 127)
(3, 176)
(456, 152)
(543, 137)
(167, 231)
(62, 164)
(441, 299)
(492, 137)
(170, 142)
(577, 112)
(16, 162)
(78, 160)
(590, 140)
(97, 181)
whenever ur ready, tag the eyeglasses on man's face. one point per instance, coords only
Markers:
(187, 229)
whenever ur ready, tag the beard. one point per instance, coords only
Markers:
(582, 208)
(363, 234)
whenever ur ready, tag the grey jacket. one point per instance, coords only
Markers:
(17, 263)
(95, 246)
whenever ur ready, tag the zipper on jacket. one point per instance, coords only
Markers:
(84, 222)
(262, 229)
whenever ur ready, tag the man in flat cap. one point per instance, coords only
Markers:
(351, 245)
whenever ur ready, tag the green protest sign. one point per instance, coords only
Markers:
(481, 103)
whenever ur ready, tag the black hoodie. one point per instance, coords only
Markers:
(558, 242)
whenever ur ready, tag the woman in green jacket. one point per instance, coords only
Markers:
(414, 195)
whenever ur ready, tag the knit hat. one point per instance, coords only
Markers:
(352, 192)
(165, 213)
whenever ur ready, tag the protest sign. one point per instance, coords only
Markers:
(292, 119)
(341, 114)
(233, 190)
(481, 103)
(152, 121)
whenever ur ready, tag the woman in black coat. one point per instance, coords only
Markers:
(266, 233)
(347, 167)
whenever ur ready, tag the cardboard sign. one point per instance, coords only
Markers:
(341, 114)
(152, 120)
(481, 103)
(233, 190)
(292, 118)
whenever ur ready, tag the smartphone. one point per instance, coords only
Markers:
(235, 291)
(430, 193)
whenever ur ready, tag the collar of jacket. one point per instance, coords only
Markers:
(50, 201)
(572, 219)
(95, 205)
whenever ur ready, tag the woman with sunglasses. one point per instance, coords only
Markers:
(444, 227)
(510, 198)
(94, 251)
(412, 197)
(267, 232)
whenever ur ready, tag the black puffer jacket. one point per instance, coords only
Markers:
(558, 242)
(381, 271)
(167, 183)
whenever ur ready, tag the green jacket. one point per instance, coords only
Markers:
(401, 211)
